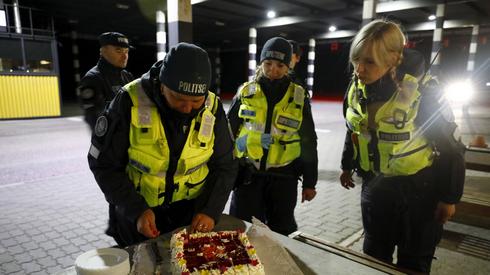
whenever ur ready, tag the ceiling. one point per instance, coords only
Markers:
(226, 22)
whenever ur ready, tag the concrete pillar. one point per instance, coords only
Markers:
(473, 45)
(161, 35)
(217, 68)
(436, 39)
(368, 11)
(18, 26)
(179, 14)
(76, 62)
(252, 52)
(311, 67)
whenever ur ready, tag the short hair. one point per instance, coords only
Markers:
(384, 38)
(295, 47)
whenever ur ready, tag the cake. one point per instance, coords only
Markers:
(223, 252)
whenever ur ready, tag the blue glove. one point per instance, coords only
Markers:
(241, 143)
(266, 140)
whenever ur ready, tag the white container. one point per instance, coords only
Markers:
(103, 261)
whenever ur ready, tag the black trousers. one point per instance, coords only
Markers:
(167, 218)
(399, 211)
(271, 199)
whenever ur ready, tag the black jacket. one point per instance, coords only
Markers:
(297, 79)
(113, 143)
(449, 166)
(307, 164)
(99, 86)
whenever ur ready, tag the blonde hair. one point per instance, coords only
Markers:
(386, 42)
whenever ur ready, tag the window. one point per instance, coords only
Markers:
(11, 55)
(38, 56)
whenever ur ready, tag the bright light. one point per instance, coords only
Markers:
(332, 28)
(271, 14)
(44, 62)
(459, 92)
(431, 17)
(3, 19)
(487, 84)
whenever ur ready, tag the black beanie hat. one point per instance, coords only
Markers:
(186, 69)
(276, 48)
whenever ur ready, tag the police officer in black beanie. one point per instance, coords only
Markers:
(162, 152)
(271, 120)
(101, 83)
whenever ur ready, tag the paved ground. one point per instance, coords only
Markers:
(52, 209)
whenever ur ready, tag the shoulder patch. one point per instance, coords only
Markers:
(101, 126)
(87, 93)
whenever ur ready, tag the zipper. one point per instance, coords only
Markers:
(407, 153)
(192, 185)
(284, 143)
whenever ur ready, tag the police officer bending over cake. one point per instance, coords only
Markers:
(162, 151)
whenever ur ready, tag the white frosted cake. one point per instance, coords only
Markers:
(223, 252)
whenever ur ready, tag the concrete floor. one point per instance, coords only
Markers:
(52, 209)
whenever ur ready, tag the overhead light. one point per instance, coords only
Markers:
(332, 28)
(271, 14)
(122, 6)
(44, 62)
(431, 17)
(219, 23)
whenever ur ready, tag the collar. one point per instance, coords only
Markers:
(105, 66)
(274, 90)
(381, 90)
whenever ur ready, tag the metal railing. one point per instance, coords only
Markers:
(25, 21)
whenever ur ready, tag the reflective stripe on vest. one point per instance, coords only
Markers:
(285, 123)
(401, 149)
(149, 153)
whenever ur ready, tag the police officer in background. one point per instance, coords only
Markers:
(162, 152)
(295, 59)
(101, 83)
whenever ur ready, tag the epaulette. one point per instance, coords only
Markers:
(248, 89)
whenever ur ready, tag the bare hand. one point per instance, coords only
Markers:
(346, 179)
(146, 224)
(202, 223)
(444, 212)
(308, 194)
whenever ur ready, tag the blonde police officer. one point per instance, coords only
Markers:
(275, 141)
(162, 152)
(400, 141)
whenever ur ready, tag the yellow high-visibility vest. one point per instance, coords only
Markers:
(287, 117)
(149, 154)
(401, 149)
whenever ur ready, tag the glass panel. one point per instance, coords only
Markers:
(38, 56)
(10, 55)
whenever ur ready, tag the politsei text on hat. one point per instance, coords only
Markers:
(193, 88)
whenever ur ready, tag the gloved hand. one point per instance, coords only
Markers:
(266, 140)
(241, 143)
